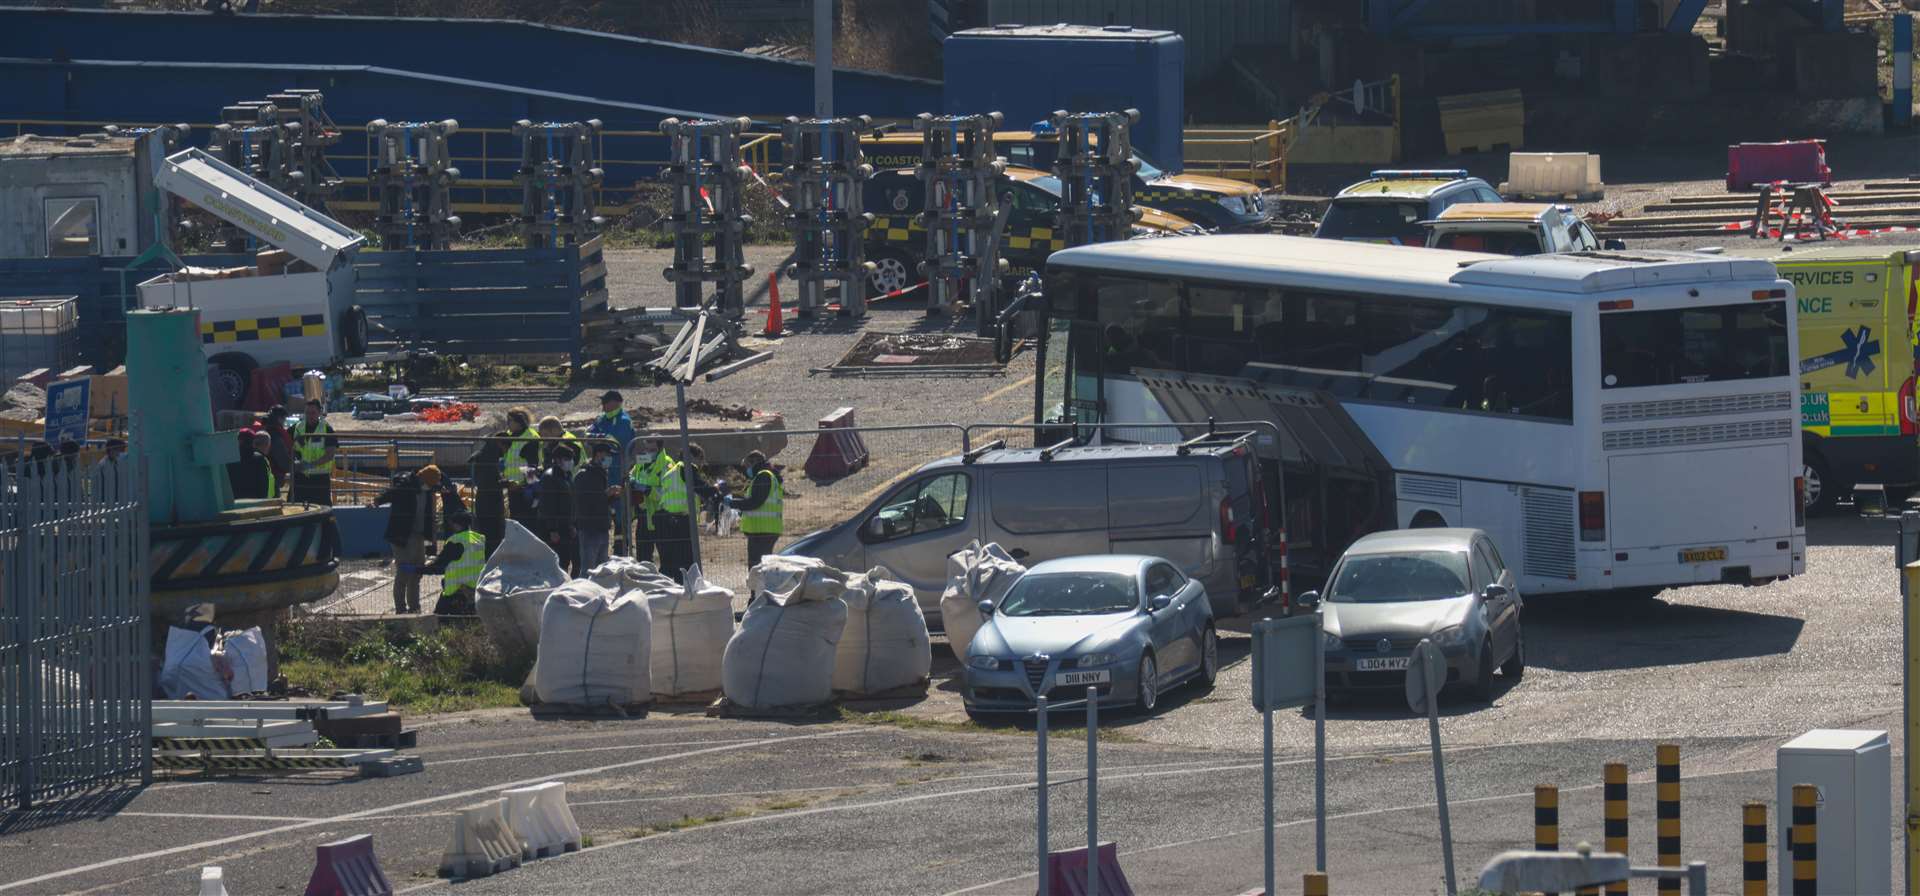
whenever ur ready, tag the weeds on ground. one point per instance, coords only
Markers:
(1059, 728)
(454, 669)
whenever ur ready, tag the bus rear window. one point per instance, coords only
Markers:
(1693, 345)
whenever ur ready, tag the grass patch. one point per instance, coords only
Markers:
(901, 720)
(454, 669)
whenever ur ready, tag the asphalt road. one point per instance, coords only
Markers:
(680, 803)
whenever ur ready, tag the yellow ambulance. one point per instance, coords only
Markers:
(1857, 417)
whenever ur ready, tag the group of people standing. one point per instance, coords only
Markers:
(291, 462)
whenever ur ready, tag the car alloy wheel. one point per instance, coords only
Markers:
(1483, 682)
(1149, 692)
(1209, 656)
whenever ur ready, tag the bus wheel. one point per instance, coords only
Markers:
(1822, 491)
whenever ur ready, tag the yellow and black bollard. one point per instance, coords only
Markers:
(1805, 840)
(1314, 883)
(1753, 850)
(1546, 818)
(1666, 808)
(1614, 789)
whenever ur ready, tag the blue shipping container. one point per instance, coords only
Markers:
(1027, 72)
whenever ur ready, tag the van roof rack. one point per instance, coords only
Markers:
(1048, 452)
(975, 454)
(1212, 437)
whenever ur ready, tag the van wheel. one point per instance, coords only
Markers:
(892, 272)
(232, 376)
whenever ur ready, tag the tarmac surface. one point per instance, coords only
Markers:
(680, 803)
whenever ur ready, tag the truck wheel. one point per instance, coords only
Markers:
(353, 331)
(232, 375)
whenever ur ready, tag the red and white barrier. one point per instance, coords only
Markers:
(347, 868)
(839, 451)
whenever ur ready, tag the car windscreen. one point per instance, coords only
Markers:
(1697, 345)
(1071, 594)
(1394, 578)
(1375, 220)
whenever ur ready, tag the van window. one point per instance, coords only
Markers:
(1053, 498)
(1153, 495)
(927, 506)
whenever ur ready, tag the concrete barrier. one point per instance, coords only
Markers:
(482, 842)
(540, 815)
(1553, 176)
(213, 881)
(347, 868)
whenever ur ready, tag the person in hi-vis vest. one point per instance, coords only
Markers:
(762, 509)
(459, 563)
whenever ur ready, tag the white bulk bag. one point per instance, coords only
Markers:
(974, 574)
(594, 648)
(245, 653)
(691, 627)
(188, 667)
(784, 651)
(622, 575)
(520, 573)
(885, 644)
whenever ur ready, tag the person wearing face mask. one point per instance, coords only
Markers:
(555, 506)
(679, 506)
(644, 483)
(520, 460)
(593, 496)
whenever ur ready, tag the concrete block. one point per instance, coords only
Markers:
(482, 843)
(542, 818)
(213, 881)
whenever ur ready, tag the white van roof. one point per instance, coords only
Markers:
(1130, 451)
(1260, 258)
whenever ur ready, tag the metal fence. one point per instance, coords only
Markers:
(74, 640)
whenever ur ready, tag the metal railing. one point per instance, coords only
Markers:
(1255, 155)
(74, 640)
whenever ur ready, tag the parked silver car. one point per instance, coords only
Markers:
(1130, 625)
(1391, 589)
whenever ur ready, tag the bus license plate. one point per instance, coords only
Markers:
(1703, 555)
(1381, 664)
(1101, 676)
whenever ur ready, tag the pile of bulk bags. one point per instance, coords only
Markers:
(594, 648)
(783, 655)
(974, 574)
(885, 644)
(692, 624)
(520, 573)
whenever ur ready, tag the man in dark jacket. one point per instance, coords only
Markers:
(593, 497)
(411, 525)
(554, 506)
(280, 455)
(489, 493)
(251, 476)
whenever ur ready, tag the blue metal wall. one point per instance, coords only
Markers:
(535, 57)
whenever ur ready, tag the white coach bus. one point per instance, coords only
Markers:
(1619, 422)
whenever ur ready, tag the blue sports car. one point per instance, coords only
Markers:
(1131, 626)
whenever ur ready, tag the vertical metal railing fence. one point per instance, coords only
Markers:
(74, 641)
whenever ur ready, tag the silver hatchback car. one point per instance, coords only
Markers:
(1392, 589)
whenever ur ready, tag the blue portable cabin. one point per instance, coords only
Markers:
(1026, 72)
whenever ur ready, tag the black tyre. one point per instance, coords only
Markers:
(1209, 656)
(232, 375)
(1516, 665)
(893, 270)
(1148, 695)
(1822, 492)
(1483, 682)
(353, 331)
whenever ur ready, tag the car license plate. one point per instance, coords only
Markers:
(1380, 663)
(1099, 676)
(1703, 555)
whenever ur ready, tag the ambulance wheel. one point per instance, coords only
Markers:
(1822, 491)
(232, 375)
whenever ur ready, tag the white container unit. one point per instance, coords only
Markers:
(1854, 773)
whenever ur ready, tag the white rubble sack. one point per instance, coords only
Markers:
(594, 648)
(513, 589)
(784, 652)
(245, 654)
(885, 644)
(974, 574)
(188, 667)
(692, 624)
(623, 575)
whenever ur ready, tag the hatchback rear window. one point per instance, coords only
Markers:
(1383, 221)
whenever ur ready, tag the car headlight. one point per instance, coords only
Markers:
(1093, 659)
(983, 663)
(1234, 204)
(1451, 636)
(1331, 641)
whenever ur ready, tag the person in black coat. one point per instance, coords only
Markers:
(410, 526)
(593, 497)
(250, 475)
(554, 506)
(489, 493)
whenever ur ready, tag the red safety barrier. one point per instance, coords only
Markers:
(1750, 165)
(1067, 873)
(348, 868)
(839, 452)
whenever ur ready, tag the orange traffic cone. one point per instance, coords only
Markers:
(774, 322)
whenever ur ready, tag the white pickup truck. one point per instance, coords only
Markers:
(1513, 228)
(294, 306)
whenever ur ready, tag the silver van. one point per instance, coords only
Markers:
(1199, 504)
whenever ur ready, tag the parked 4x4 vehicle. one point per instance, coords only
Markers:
(897, 241)
(1394, 206)
(1513, 228)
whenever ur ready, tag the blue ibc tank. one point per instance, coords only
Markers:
(1027, 72)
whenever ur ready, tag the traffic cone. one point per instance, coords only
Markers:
(774, 322)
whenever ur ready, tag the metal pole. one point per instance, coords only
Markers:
(1040, 752)
(823, 58)
(1696, 879)
(686, 473)
(1266, 766)
(1440, 784)
(1907, 552)
(1093, 791)
(1320, 755)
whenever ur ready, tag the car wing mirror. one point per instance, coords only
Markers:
(878, 528)
(986, 608)
(1614, 245)
(1158, 603)
(1496, 591)
(1308, 600)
